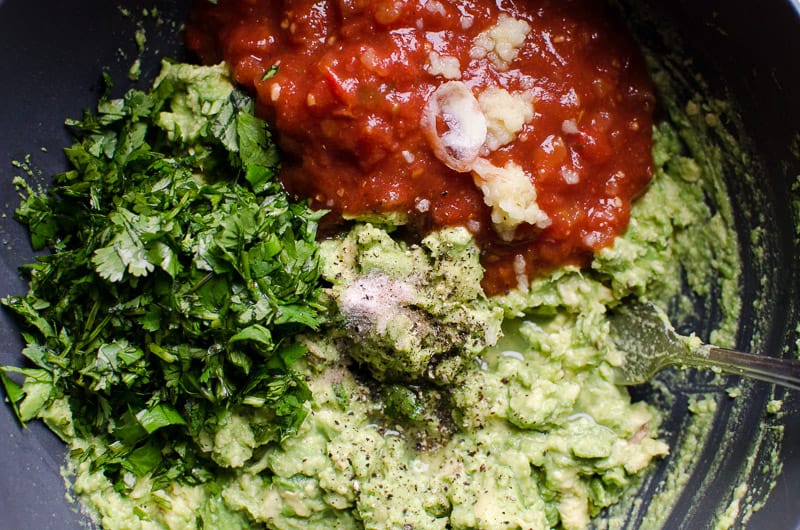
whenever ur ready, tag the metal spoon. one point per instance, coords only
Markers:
(642, 332)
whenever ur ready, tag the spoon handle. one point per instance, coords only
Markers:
(784, 372)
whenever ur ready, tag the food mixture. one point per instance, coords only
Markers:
(384, 306)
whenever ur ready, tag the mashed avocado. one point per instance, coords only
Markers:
(410, 313)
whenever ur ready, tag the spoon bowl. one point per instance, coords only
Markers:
(643, 334)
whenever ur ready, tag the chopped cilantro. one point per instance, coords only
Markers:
(179, 272)
(271, 72)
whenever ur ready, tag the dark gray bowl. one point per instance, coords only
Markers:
(51, 56)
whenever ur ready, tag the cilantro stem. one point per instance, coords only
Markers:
(180, 206)
(245, 261)
(201, 282)
(90, 320)
(94, 334)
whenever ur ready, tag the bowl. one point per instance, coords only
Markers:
(735, 52)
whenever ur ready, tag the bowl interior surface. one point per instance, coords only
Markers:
(740, 56)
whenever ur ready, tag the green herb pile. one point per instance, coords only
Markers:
(178, 274)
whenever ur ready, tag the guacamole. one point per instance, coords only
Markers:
(433, 405)
(440, 407)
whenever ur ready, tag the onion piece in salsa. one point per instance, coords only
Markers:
(528, 122)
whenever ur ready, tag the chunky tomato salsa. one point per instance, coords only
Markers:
(528, 122)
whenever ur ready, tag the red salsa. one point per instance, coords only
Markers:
(348, 84)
